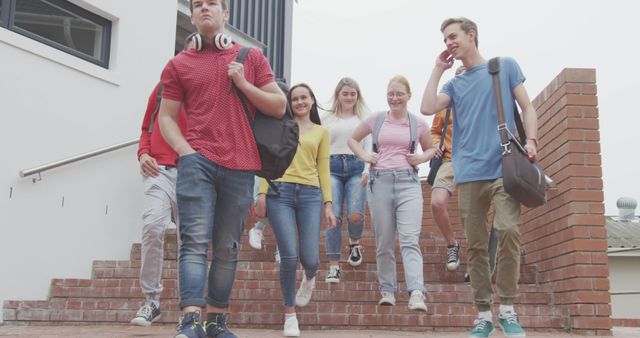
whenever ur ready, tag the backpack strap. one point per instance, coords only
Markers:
(376, 131)
(242, 55)
(155, 113)
(443, 134)
(413, 132)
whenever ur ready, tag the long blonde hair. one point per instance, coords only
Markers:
(360, 109)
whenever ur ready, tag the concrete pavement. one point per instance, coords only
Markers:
(122, 331)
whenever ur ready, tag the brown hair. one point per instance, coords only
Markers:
(465, 24)
(225, 5)
(314, 116)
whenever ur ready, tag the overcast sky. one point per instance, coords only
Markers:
(372, 40)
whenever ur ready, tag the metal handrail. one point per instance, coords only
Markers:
(41, 168)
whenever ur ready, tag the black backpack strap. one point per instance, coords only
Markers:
(242, 55)
(520, 126)
(155, 113)
(444, 129)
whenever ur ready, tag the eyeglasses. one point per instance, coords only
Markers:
(396, 94)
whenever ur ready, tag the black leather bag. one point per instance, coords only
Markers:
(434, 165)
(522, 179)
(435, 162)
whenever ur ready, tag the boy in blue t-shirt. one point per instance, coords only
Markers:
(477, 164)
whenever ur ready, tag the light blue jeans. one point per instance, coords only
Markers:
(395, 204)
(346, 173)
(213, 202)
(295, 218)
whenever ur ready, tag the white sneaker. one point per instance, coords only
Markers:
(416, 302)
(334, 274)
(305, 291)
(291, 327)
(388, 299)
(255, 238)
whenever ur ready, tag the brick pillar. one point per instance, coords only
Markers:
(565, 241)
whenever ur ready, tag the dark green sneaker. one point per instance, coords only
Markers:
(482, 328)
(508, 321)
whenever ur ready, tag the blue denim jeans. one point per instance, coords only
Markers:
(213, 202)
(296, 213)
(395, 204)
(346, 173)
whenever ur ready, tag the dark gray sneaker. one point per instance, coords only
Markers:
(190, 326)
(453, 257)
(217, 327)
(146, 315)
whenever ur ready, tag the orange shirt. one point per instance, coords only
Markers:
(436, 132)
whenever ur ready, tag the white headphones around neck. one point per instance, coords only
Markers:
(220, 41)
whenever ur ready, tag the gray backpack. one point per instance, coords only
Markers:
(413, 131)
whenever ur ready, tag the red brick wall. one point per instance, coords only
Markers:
(565, 241)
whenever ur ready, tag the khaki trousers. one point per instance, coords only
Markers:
(474, 200)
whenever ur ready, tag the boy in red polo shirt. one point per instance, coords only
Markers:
(218, 158)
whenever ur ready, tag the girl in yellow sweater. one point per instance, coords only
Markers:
(296, 214)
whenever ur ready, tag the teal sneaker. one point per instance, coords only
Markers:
(482, 328)
(508, 321)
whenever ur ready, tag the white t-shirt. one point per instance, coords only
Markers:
(340, 131)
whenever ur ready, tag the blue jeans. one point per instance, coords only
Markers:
(213, 202)
(296, 213)
(346, 173)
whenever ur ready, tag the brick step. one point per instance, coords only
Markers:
(266, 290)
(437, 252)
(433, 251)
(268, 270)
(428, 244)
(246, 313)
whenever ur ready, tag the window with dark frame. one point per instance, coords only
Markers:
(2, 12)
(62, 25)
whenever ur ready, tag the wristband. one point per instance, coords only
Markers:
(534, 139)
